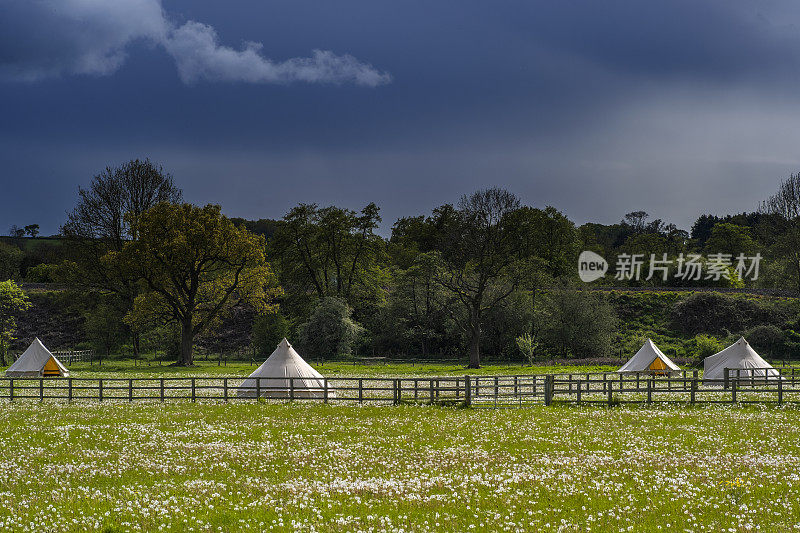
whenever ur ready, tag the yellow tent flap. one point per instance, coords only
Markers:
(51, 368)
(657, 364)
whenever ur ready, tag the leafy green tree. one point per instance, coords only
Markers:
(785, 203)
(106, 218)
(330, 252)
(104, 324)
(13, 302)
(527, 346)
(548, 236)
(414, 319)
(577, 323)
(730, 239)
(268, 331)
(10, 261)
(32, 230)
(330, 330)
(479, 261)
(16, 231)
(194, 264)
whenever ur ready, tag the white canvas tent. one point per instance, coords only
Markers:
(35, 362)
(284, 363)
(649, 359)
(738, 355)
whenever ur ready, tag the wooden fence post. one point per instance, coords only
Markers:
(258, 388)
(193, 390)
(291, 389)
(733, 391)
(325, 392)
(225, 388)
(693, 391)
(396, 397)
(578, 401)
(725, 378)
(610, 388)
(130, 390)
(11, 390)
(548, 389)
(99, 390)
(41, 389)
(360, 390)
(162, 389)
(650, 389)
(780, 390)
(431, 392)
(69, 389)
(467, 391)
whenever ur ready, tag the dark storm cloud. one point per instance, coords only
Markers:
(596, 107)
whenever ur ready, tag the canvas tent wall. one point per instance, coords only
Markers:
(738, 355)
(649, 359)
(272, 378)
(35, 362)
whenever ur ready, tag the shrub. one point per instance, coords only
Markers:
(768, 340)
(331, 330)
(527, 346)
(705, 346)
(716, 314)
(43, 273)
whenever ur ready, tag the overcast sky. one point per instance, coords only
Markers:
(596, 107)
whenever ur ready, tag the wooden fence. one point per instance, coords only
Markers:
(74, 356)
(738, 386)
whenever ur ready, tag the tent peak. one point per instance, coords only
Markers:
(284, 344)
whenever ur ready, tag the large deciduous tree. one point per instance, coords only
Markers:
(786, 204)
(194, 264)
(480, 260)
(105, 218)
(329, 252)
(13, 302)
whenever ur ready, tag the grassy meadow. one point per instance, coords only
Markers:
(126, 368)
(312, 467)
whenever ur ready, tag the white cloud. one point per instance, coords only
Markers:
(42, 39)
(196, 50)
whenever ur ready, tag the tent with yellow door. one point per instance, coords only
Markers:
(649, 359)
(36, 362)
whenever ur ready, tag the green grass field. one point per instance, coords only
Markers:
(128, 368)
(312, 467)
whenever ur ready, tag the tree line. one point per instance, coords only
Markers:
(486, 274)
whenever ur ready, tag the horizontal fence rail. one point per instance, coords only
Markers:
(736, 386)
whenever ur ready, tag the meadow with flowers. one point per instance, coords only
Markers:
(314, 467)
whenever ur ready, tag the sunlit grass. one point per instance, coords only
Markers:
(256, 466)
(130, 368)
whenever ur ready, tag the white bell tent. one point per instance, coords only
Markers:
(739, 355)
(649, 359)
(284, 375)
(35, 362)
